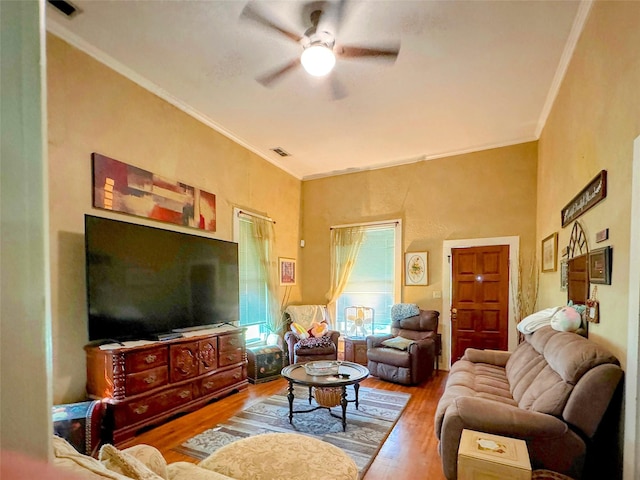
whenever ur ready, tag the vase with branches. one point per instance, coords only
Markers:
(525, 290)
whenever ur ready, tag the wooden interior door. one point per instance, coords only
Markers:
(480, 299)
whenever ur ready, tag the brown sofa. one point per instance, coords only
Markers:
(410, 366)
(551, 391)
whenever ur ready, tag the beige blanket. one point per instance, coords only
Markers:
(305, 315)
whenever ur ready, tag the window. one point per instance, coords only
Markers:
(375, 279)
(254, 295)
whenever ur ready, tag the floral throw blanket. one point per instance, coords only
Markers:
(314, 342)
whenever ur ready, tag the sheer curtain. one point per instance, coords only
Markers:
(345, 245)
(264, 238)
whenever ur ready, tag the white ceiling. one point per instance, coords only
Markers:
(470, 74)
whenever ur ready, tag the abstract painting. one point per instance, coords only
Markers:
(124, 188)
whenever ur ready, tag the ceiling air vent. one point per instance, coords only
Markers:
(65, 7)
(281, 152)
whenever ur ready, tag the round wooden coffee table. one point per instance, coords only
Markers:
(349, 373)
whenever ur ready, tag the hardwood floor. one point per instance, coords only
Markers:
(409, 452)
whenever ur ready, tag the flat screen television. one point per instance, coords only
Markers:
(143, 281)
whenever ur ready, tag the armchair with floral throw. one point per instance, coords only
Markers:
(302, 350)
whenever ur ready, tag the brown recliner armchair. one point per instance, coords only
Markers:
(306, 351)
(412, 365)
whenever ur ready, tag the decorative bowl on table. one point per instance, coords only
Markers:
(319, 368)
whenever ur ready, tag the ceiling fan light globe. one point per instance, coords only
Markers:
(318, 60)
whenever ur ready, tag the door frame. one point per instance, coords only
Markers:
(445, 316)
(631, 447)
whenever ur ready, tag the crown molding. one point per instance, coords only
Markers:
(421, 158)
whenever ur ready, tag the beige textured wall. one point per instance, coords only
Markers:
(94, 109)
(477, 195)
(592, 125)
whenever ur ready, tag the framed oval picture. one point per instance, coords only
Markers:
(415, 268)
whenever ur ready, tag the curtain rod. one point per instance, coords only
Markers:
(368, 224)
(256, 215)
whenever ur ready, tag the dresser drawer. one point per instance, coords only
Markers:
(153, 405)
(220, 380)
(230, 357)
(142, 409)
(230, 342)
(147, 380)
(175, 397)
(146, 359)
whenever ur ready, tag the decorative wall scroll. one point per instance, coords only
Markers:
(593, 193)
(415, 268)
(550, 253)
(287, 269)
(124, 188)
(600, 266)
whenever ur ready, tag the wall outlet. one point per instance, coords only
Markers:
(437, 294)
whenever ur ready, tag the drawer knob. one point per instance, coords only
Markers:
(208, 385)
(141, 409)
(150, 358)
(237, 376)
(230, 357)
(150, 379)
(184, 394)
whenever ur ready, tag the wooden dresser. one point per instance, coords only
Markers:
(146, 384)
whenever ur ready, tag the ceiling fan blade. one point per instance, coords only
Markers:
(338, 90)
(272, 77)
(332, 17)
(344, 51)
(339, 14)
(250, 12)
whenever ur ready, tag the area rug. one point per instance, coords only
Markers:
(367, 427)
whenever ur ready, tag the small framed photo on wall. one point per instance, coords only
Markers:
(600, 266)
(550, 253)
(415, 268)
(287, 269)
(564, 275)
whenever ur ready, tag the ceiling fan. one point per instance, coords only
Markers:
(318, 42)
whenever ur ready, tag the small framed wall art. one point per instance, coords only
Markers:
(550, 253)
(415, 268)
(564, 275)
(287, 269)
(600, 266)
